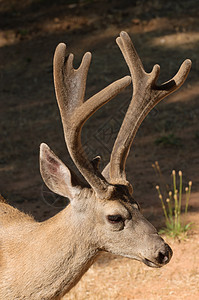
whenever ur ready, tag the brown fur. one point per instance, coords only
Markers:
(10, 215)
(45, 260)
(36, 263)
(2, 199)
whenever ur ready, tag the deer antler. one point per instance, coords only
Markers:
(146, 94)
(70, 87)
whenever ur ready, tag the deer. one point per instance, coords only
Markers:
(45, 260)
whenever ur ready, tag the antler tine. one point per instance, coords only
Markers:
(146, 94)
(70, 85)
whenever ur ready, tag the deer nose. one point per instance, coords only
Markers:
(165, 256)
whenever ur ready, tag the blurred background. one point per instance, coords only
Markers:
(163, 32)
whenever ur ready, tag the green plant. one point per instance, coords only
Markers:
(171, 201)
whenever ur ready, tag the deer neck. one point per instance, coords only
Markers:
(56, 255)
(72, 251)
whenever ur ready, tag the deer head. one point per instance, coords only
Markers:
(105, 208)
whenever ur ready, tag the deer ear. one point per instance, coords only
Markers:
(56, 175)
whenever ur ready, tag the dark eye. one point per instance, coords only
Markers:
(115, 219)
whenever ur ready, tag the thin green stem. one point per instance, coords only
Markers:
(176, 210)
(170, 212)
(188, 192)
(180, 196)
(171, 201)
(174, 181)
(164, 209)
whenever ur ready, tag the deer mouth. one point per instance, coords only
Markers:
(151, 264)
(160, 261)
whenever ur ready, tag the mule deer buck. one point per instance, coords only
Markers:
(45, 260)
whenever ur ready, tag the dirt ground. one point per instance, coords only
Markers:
(163, 32)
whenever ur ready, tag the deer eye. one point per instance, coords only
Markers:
(115, 219)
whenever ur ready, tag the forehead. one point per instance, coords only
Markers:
(121, 193)
(121, 200)
(119, 207)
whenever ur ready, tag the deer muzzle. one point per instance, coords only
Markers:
(160, 258)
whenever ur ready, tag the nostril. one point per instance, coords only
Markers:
(165, 255)
(162, 258)
(165, 259)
